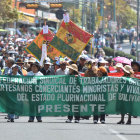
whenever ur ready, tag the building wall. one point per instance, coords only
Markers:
(28, 15)
(23, 9)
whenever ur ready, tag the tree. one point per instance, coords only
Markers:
(7, 13)
(75, 14)
(125, 15)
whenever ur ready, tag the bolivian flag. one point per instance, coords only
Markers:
(35, 48)
(70, 40)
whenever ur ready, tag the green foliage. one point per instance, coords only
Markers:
(125, 15)
(110, 52)
(7, 13)
(75, 14)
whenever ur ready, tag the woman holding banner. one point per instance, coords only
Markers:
(128, 72)
(90, 72)
(101, 72)
(35, 67)
(73, 70)
(14, 72)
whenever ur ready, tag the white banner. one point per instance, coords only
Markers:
(45, 29)
(66, 18)
(44, 54)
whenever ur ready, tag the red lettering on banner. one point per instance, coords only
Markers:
(116, 74)
(137, 75)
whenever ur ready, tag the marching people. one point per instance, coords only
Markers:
(90, 72)
(135, 66)
(47, 70)
(20, 64)
(30, 62)
(73, 70)
(15, 69)
(9, 63)
(128, 72)
(81, 65)
(101, 72)
(63, 70)
(119, 67)
(27, 65)
(56, 66)
(35, 71)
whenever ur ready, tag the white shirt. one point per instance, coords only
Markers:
(34, 74)
(60, 72)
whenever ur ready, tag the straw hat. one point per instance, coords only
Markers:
(73, 67)
(127, 69)
(32, 60)
(19, 61)
(118, 65)
(102, 69)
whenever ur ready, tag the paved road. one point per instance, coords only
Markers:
(127, 47)
(55, 128)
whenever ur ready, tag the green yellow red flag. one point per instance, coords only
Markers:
(35, 48)
(70, 40)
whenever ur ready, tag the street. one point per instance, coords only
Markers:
(55, 128)
(126, 47)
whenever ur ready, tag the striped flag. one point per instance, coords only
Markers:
(70, 40)
(35, 48)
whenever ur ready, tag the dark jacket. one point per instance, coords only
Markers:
(49, 72)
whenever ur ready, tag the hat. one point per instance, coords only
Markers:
(73, 67)
(26, 60)
(56, 58)
(119, 65)
(102, 69)
(15, 65)
(127, 69)
(62, 61)
(83, 57)
(47, 59)
(3, 50)
(10, 43)
(32, 60)
(19, 61)
(137, 63)
(47, 62)
(102, 60)
(36, 64)
(92, 60)
(57, 63)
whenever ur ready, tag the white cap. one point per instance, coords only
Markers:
(15, 65)
(47, 62)
(102, 60)
(26, 60)
(47, 59)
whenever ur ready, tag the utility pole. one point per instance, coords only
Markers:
(102, 14)
(91, 14)
(114, 9)
(138, 6)
(15, 23)
(74, 11)
(82, 14)
(114, 13)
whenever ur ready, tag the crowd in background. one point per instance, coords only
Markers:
(15, 61)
